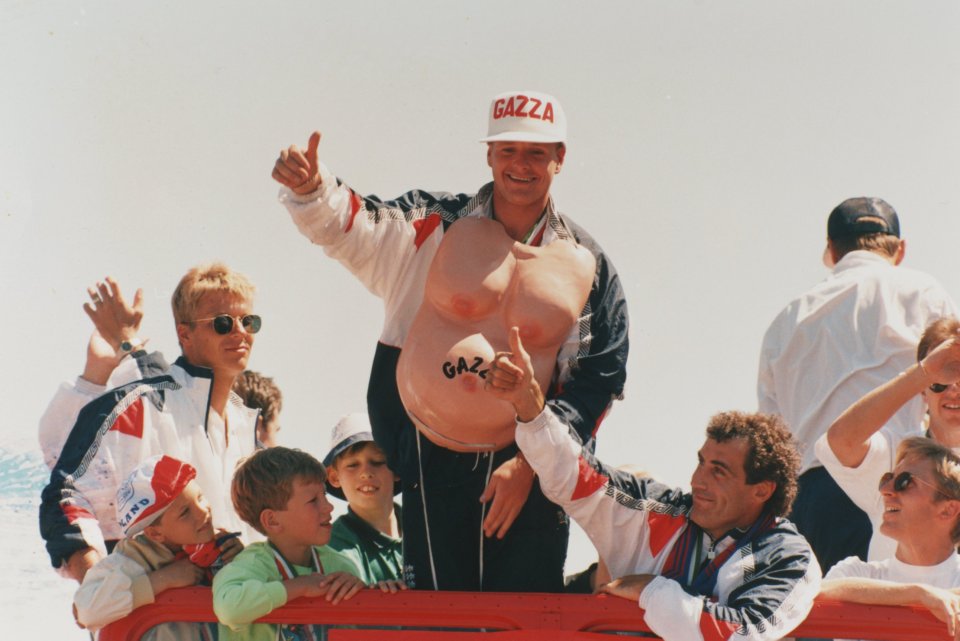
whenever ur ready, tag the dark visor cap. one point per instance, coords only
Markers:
(861, 216)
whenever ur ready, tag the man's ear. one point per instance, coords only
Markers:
(950, 509)
(829, 256)
(489, 154)
(561, 154)
(901, 252)
(333, 478)
(763, 490)
(183, 334)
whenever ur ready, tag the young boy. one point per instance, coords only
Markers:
(357, 471)
(168, 542)
(280, 492)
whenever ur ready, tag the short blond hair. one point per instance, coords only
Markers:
(202, 280)
(264, 481)
(946, 469)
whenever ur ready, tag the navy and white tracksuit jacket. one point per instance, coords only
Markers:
(763, 590)
(389, 246)
(166, 411)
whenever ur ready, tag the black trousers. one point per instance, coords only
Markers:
(834, 526)
(529, 558)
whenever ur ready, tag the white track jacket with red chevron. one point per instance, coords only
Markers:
(164, 412)
(763, 590)
(389, 246)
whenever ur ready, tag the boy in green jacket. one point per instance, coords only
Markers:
(369, 533)
(280, 492)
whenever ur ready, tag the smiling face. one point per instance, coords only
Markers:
(944, 409)
(722, 498)
(523, 173)
(186, 520)
(910, 516)
(226, 354)
(365, 479)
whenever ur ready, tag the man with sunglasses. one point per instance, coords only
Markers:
(921, 499)
(186, 410)
(857, 448)
(719, 562)
(833, 344)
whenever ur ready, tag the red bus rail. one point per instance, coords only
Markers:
(509, 617)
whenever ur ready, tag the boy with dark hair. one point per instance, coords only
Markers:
(169, 543)
(280, 492)
(369, 533)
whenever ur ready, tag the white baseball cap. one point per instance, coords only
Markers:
(526, 116)
(349, 430)
(150, 490)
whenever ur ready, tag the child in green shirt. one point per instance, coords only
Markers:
(369, 533)
(280, 492)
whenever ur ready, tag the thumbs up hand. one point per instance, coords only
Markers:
(297, 169)
(511, 378)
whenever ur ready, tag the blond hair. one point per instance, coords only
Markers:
(945, 465)
(202, 280)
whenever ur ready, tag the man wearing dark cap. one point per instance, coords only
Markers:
(834, 343)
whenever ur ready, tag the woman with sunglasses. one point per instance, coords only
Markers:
(857, 451)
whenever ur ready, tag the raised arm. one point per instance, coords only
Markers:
(849, 435)
(114, 322)
(374, 239)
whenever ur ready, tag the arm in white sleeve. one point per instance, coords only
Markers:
(769, 602)
(111, 590)
(859, 483)
(61, 414)
(376, 240)
(610, 505)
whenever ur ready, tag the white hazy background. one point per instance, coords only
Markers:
(708, 143)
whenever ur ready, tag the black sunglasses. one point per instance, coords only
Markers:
(938, 388)
(223, 323)
(903, 480)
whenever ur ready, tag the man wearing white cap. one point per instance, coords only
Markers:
(450, 278)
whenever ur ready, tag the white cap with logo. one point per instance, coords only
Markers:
(149, 491)
(526, 116)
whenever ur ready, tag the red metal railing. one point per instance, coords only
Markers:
(510, 617)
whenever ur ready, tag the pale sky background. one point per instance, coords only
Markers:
(708, 142)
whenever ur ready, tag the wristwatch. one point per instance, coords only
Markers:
(130, 346)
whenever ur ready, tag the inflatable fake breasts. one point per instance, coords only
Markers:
(480, 284)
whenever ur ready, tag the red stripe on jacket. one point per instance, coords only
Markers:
(714, 629)
(588, 480)
(131, 421)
